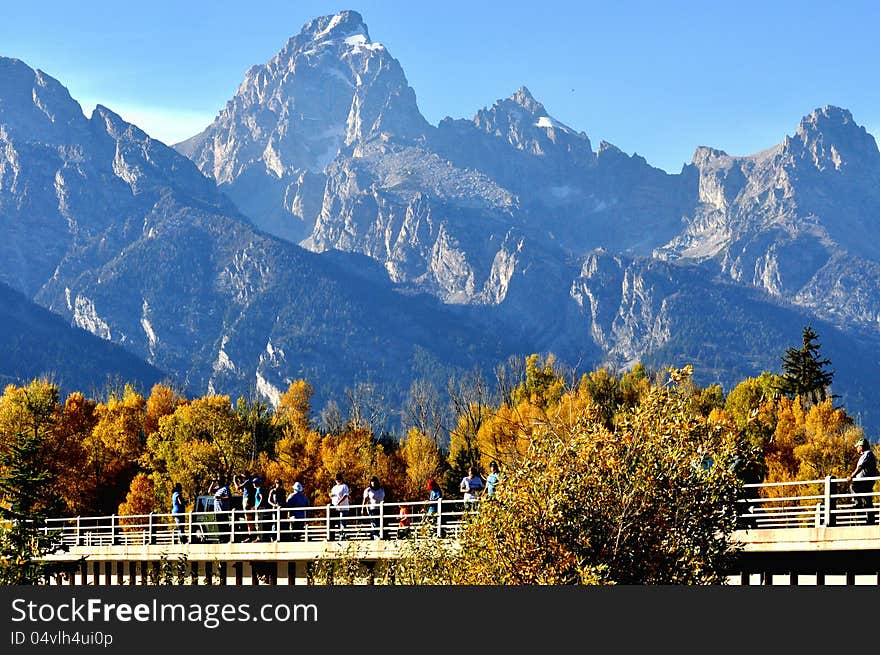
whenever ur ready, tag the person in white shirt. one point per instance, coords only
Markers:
(374, 495)
(340, 499)
(471, 487)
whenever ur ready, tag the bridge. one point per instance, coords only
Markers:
(809, 532)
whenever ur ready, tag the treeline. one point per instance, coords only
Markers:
(122, 454)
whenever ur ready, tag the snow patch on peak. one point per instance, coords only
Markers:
(359, 41)
(550, 122)
(334, 22)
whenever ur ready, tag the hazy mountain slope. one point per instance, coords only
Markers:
(35, 343)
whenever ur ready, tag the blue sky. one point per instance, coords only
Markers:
(656, 78)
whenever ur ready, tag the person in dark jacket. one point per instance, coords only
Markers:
(296, 501)
(861, 479)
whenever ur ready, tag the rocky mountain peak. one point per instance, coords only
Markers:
(343, 24)
(525, 124)
(830, 139)
(35, 103)
(522, 97)
(705, 154)
(825, 118)
(329, 87)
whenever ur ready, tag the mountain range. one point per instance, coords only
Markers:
(320, 227)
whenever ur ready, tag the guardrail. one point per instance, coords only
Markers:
(441, 518)
(824, 502)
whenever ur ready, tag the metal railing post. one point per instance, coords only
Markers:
(381, 520)
(150, 537)
(827, 500)
(77, 530)
(278, 524)
(439, 517)
(189, 527)
(113, 530)
(232, 525)
(327, 512)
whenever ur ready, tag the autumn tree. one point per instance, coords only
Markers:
(68, 456)
(650, 502)
(202, 439)
(296, 456)
(28, 419)
(163, 400)
(114, 446)
(810, 443)
(141, 499)
(422, 460)
(544, 382)
(294, 411)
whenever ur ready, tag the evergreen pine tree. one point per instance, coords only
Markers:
(804, 370)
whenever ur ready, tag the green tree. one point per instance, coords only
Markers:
(804, 370)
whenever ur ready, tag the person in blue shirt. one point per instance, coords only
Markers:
(434, 495)
(261, 503)
(178, 509)
(245, 484)
(492, 479)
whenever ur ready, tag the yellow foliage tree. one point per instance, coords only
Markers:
(505, 436)
(201, 440)
(141, 497)
(163, 401)
(422, 460)
(115, 445)
(294, 410)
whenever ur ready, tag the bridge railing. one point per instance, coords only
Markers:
(442, 518)
(806, 504)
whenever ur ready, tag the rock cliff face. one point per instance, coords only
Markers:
(798, 220)
(429, 248)
(325, 146)
(126, 239)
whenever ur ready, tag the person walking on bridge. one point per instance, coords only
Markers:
(866, 467)
(178, 511)
(374, 496)
(340, 499)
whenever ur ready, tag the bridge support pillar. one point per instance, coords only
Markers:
(301, 573)
(283, 578)
(247, 574)
(231, 574)
(200, 570)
